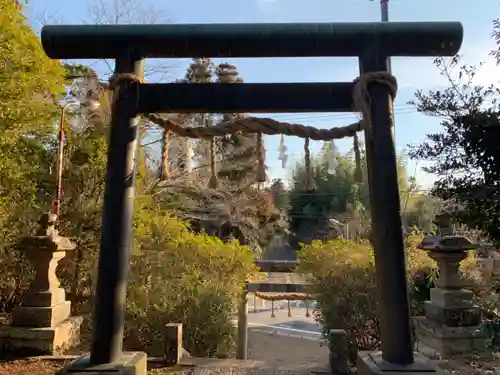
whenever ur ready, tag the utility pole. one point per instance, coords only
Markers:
(384, 17)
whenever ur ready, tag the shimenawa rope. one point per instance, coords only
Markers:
(362, 103)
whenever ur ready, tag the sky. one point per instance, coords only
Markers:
(412, 73)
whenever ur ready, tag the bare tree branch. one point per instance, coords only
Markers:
(125, 12)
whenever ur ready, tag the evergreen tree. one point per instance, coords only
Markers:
(30, 85)
(237, 152)
(464, 152)
(279, 194)
(241, 211)
(175, 149)
(337, 196)
(201, 71)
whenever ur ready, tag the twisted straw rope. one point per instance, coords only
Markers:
(307, 165)
(266, 126)
(361, 96)
(124, 79)
(270, 126)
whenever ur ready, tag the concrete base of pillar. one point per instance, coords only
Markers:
(131, 363)
(44, 340)
(371, 363)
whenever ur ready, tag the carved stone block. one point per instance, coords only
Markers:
(451, 297)
(47, 340)
(29, 316)
(453, 316)
(44, 298)
(449, 341)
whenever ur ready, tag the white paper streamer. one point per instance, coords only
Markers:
(282, 152)
(189, 156)
(332, 159)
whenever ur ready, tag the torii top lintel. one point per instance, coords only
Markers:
(252, 40)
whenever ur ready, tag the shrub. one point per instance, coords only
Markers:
(342, 274)
(187, 278)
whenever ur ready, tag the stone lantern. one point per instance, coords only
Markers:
(42, 323)
(451, 322)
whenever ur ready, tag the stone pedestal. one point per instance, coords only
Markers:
(338, 358)
(42, 323)
(451, 322)
(131, 363)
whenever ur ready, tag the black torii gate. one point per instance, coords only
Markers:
(372, 43)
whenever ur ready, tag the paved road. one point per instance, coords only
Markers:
(283, 278)
(296, 325)
(259, 311)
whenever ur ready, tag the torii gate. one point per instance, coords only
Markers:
(372, 43)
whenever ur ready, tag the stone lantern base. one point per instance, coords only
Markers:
(44, 340)
(451, 325)
(42, 323)
(442, 341)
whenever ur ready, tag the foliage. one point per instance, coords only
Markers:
(178, 276)
(238, 164)
(419, 211)
(157, 294)
(244, 213)
(335, 194)
(342, 274)
(29, 85)
(339, 196)
(465, 152)
(280, 195)
(74, 71)
(186, 291)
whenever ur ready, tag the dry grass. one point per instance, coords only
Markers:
(471, 366)
(166, 371)
(484, 365)
(44, 367)
(31, 367)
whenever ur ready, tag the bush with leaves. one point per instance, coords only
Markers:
(342, 274)
(181, 277)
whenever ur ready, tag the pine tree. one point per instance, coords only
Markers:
(174, 148)
(238, 153)
(201, 71)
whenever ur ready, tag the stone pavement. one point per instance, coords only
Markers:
(288, 343)
(287, 352)
(269, 354)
